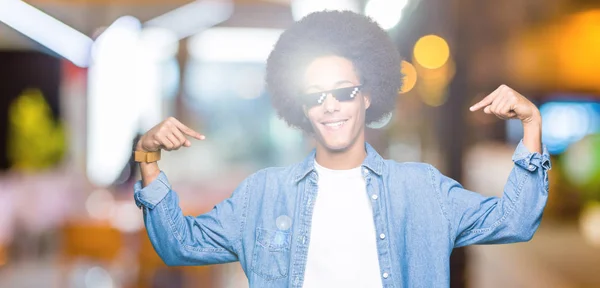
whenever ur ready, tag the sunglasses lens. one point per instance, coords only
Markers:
(345, 94)
(341, 94)
(313, 99)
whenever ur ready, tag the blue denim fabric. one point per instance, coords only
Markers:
(423, 215)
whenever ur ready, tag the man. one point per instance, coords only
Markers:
(344, 217)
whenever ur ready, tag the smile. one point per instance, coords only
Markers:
(335, 124)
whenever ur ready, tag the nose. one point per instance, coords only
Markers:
(331, 104)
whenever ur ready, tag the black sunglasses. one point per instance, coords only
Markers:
(341, 94)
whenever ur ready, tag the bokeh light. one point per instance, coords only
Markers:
(301, 8)
(100, 204)
(384, 121)
(410, 77)
(589, 223)
(577, 55)
(443, 74)
(567, 122)
(98, 277)
(431, 51)
(127, 217)
(387, 13)
(569, 45)
(582, 162)
(433, 94)
(433, 83)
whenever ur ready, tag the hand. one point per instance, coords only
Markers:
(168, 135)
(507, 103)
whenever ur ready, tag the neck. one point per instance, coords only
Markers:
(349, 158)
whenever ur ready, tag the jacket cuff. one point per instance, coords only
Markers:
(152, 194)
(531, 161)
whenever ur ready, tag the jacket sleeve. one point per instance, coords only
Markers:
(475, 219)
(210, 238)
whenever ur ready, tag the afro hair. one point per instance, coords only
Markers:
(341, 33)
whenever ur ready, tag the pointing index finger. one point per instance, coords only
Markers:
(487, 100)
(188, 131)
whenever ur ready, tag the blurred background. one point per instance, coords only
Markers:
(80, 80)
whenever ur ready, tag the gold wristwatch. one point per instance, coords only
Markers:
(147, 157)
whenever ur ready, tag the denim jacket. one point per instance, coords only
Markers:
(420, 215)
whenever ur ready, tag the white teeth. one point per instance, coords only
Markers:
(335, 124)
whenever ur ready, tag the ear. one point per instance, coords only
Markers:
(367, 101)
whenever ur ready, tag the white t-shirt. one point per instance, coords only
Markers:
(343, 242)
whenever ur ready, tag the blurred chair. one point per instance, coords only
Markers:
(153, 272)
(97, 243)
(91, 240)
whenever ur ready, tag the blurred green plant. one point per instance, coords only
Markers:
(35, 140)
(582, 166)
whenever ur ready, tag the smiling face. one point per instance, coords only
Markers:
(338, 124)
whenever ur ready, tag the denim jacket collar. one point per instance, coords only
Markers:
(373, 162)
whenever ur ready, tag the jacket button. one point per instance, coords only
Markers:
(385, 275)
(382, 236)
(374, 196)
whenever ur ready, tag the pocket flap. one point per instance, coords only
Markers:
(274, 240)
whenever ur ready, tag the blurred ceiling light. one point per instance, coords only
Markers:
(114, 103)
(242, 45)
(121, 34)
(194, 17)
(158, 44)
(301, 8)
(431, 51)
(46, 30)
(387, 13)
(410, 76)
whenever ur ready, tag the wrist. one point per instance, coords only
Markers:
(149, 172)
(532, 133)
(534, 121)
(533, 128)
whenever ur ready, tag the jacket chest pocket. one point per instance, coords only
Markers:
(271, 256)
